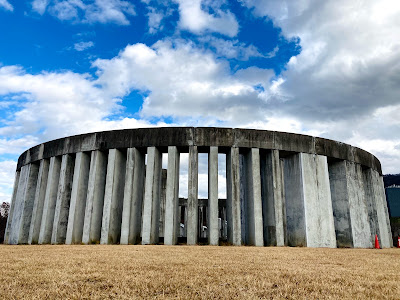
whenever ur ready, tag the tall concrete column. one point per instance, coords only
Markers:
(377, 211)
(113, 198)
(308, 201)
(78, 199)
(338, 178)
(152, 196)
(213, 232)
(23, 205)
(193, 201)
(350, 205)
(95, 198)
(172, 198)
(40, 194)
(61, 212)
(133, 197)
(272, 199)
(252, 198)
(163, 199)
(233, 197)
(11, 212)
(50, 199)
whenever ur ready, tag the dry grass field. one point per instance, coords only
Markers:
(199, 272)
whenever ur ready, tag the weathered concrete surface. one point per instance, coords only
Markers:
(338, 178)
(61, 212)
(233, 197)
(50, 199)
(40, 194)
(172, 198)
(152, 196)
(162, 202)
(95, 198)
(23, 205)
(113, 198)
(213, 232)
(379, 206)
(192, 208)
(358, 207)
(252, 210)
(317, 202)
(273, 199)
(133, 197)
(78, 199)
(308, 201)
(184, 137)
(294, 196)
(371, 198)
(11, 212)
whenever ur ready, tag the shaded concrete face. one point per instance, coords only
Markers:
(40, 194)
(95, 198)
(113, 198)
(281, 190)
(274, 210)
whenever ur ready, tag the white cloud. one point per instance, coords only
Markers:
(81, 46)
(7, 175)
(196, 20)
(185, 82)
(6, 5)
(345, 82)
(40, 6)
(97, 11)
(231, 48)
(155, 18)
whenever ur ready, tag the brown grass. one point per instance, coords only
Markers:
(184, 272)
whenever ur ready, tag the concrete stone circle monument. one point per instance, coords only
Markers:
(282, 189)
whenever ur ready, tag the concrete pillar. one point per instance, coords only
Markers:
(377, 211)
(252, 198)
(338, 178)
(233, 197)
(163, 197)
(172, 198)
(61, 212)
(350, 205)
(23, 206)
(78, 199)
(133, 197)
(308, 201)
(272, 199)
(12, 204)
(213, 232)
(113, 198)
(40, 194)
(371, 196)
(152, 195)
(49, 206)
(193, 201)
(95, 198)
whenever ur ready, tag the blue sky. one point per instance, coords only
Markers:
(327, 68)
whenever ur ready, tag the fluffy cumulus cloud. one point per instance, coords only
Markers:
(197, 20)
(6, 5)
(97, 11)
(186, 82)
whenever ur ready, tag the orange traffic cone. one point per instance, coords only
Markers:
(377, 242)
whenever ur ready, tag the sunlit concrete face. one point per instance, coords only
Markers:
(282, 190)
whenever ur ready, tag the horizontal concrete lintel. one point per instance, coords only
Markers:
(203, 137)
